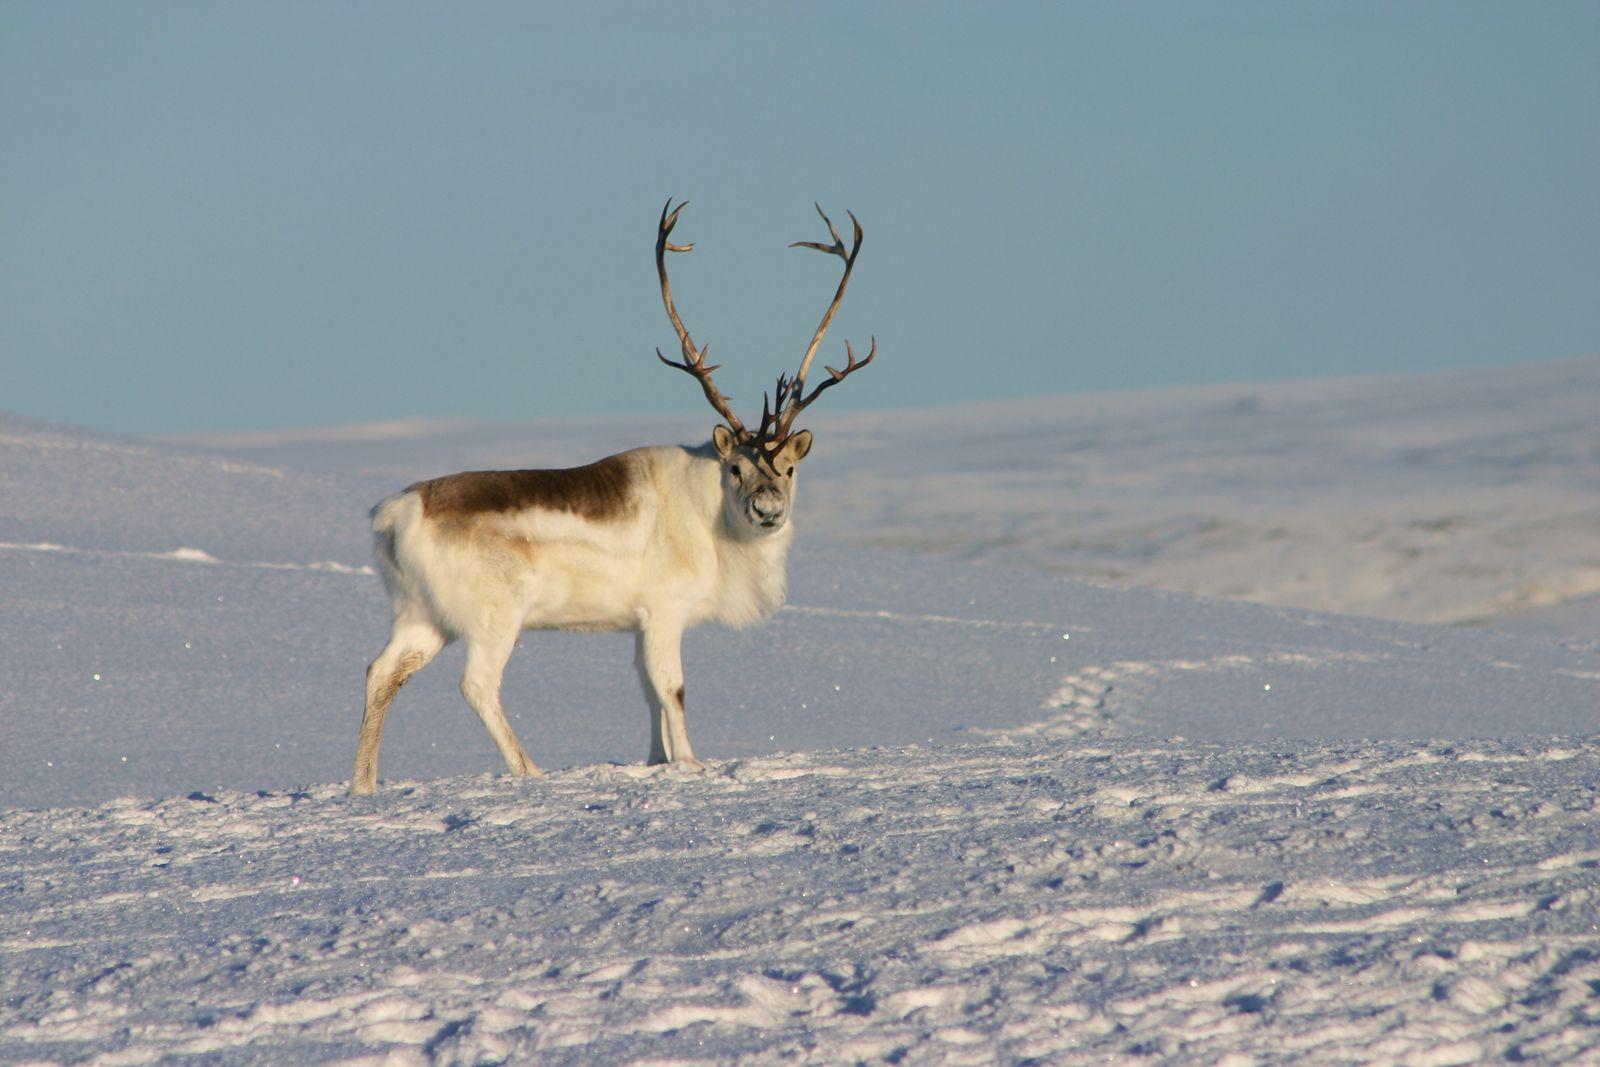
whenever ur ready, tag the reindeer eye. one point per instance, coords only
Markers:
(737, 471)
(789, 473)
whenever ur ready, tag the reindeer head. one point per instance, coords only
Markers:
(758, 468)
(758, 487)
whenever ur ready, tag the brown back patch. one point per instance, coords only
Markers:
(599, 491)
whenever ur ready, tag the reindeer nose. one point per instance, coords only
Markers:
(767, 507)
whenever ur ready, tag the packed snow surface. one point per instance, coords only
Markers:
(952, 811)
(1039, 900)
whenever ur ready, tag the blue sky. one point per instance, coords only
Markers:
(237, 216)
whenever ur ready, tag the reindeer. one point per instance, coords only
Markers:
(653, 540)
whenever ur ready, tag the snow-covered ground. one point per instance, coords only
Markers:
(967, 812)
(1035, 900)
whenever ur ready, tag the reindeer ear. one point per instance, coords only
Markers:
(722, 440)
(795, 449)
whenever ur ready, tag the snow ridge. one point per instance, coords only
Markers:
(186, 555)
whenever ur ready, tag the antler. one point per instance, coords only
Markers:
(694, 360)
(790, 398)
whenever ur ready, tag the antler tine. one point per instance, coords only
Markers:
(837, 248)
(694, 360)
(769, 419)
(851, 365)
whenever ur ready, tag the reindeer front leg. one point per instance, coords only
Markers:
(659, 660)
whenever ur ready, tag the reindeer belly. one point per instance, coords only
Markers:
(577, 586)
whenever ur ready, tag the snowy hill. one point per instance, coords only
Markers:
(1452, 496)
(967, 811)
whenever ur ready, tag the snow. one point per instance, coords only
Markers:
(967, 809)
(1047, 900)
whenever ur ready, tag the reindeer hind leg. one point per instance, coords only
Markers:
(409, 649)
